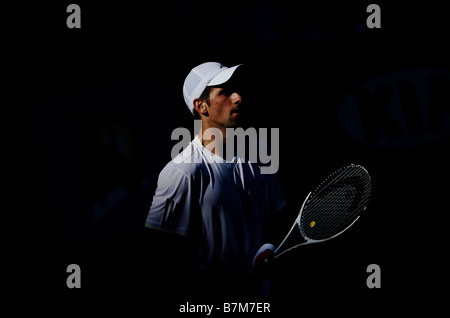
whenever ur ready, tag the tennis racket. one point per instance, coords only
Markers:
(328, 211)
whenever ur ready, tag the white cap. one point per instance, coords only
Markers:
(203, 75)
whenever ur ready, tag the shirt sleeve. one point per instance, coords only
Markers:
(170, 211)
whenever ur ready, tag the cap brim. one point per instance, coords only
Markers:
(223, 76)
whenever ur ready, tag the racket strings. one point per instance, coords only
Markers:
(339, 174)
(333, 219)
(336, 203)
(346, 201)
(338, 208)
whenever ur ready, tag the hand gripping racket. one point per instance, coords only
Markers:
(333, 207)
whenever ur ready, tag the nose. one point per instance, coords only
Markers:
(236, 98)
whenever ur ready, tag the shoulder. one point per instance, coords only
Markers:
(185, 164)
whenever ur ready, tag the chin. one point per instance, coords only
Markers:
(233, 123)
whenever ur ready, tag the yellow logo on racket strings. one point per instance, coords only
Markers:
(312, 224)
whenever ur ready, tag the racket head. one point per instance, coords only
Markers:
(335, 204)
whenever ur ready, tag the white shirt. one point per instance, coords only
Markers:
(224, 204)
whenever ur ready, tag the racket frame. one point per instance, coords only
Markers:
(279, 252)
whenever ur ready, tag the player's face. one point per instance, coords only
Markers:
(225, 107)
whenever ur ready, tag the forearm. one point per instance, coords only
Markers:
(273, 235)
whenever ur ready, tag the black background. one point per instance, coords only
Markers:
(122, 72)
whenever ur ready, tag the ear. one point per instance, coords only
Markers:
(200, 106)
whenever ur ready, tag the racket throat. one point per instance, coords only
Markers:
(293, 240)
(294, 237)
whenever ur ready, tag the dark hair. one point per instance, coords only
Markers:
(205, 95)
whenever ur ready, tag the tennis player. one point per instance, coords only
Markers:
(214, 211)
